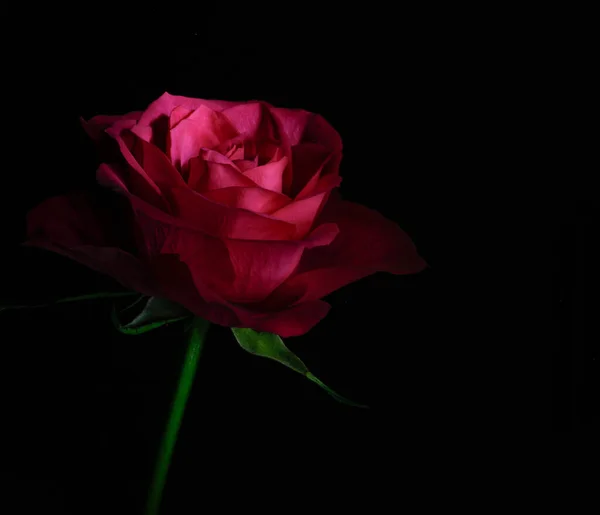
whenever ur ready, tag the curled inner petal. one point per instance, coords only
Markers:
(204, 128)
(270, 175)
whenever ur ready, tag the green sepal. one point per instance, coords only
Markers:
(155, 313)
(271, 346)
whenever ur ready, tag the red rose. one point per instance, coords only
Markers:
(233, 215)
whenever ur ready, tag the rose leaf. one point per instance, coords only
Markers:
(271, 346)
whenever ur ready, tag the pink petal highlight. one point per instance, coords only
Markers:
(269, 176)
(163, 106)
(253, 121)
(204, 128)
(223, 175)
(253, 199)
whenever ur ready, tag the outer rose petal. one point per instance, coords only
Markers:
(176, 283)
(297, 126)
(68, 225)
(241, 271)
(120, 130)
(108, 177)
(123, 179)
(307, 161)
(83, 218)
(293, 321)
(367, 243)
(224, 222)
(154, 162)
(326, 175)
(96, 126)
(300, 126)
(259, 267)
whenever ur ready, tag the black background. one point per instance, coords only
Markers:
(422, 102)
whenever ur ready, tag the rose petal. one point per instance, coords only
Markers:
(154, 162)
(325, 184)
(224, 222)
(96, 126)
(245, 165)
(291, 124)
(293, 321)
(240, 271)
(222, 175)
(301, 213)
(326, 177)
(107, 177)
(196, 170)
(324, 234)
(382, 241)
(123, 180)
(236, 271)
(300, 126)
(253, 121)
(70, 220)
(151, 172)
(259, 267)
(253, 199)
(178, 114)
(296, 126)
(246, 118)
(307, 161)
(72, 226)
(204, 128)
(269, 176)
(120, 132)
(236, 154)
(304, 210)
(176, 283)
(367, 243)
(319, 130)
(162, 108)
(207, 259)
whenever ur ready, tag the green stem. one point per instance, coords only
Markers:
(89, 296)
(195, 343)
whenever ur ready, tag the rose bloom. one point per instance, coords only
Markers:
(228, 209)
